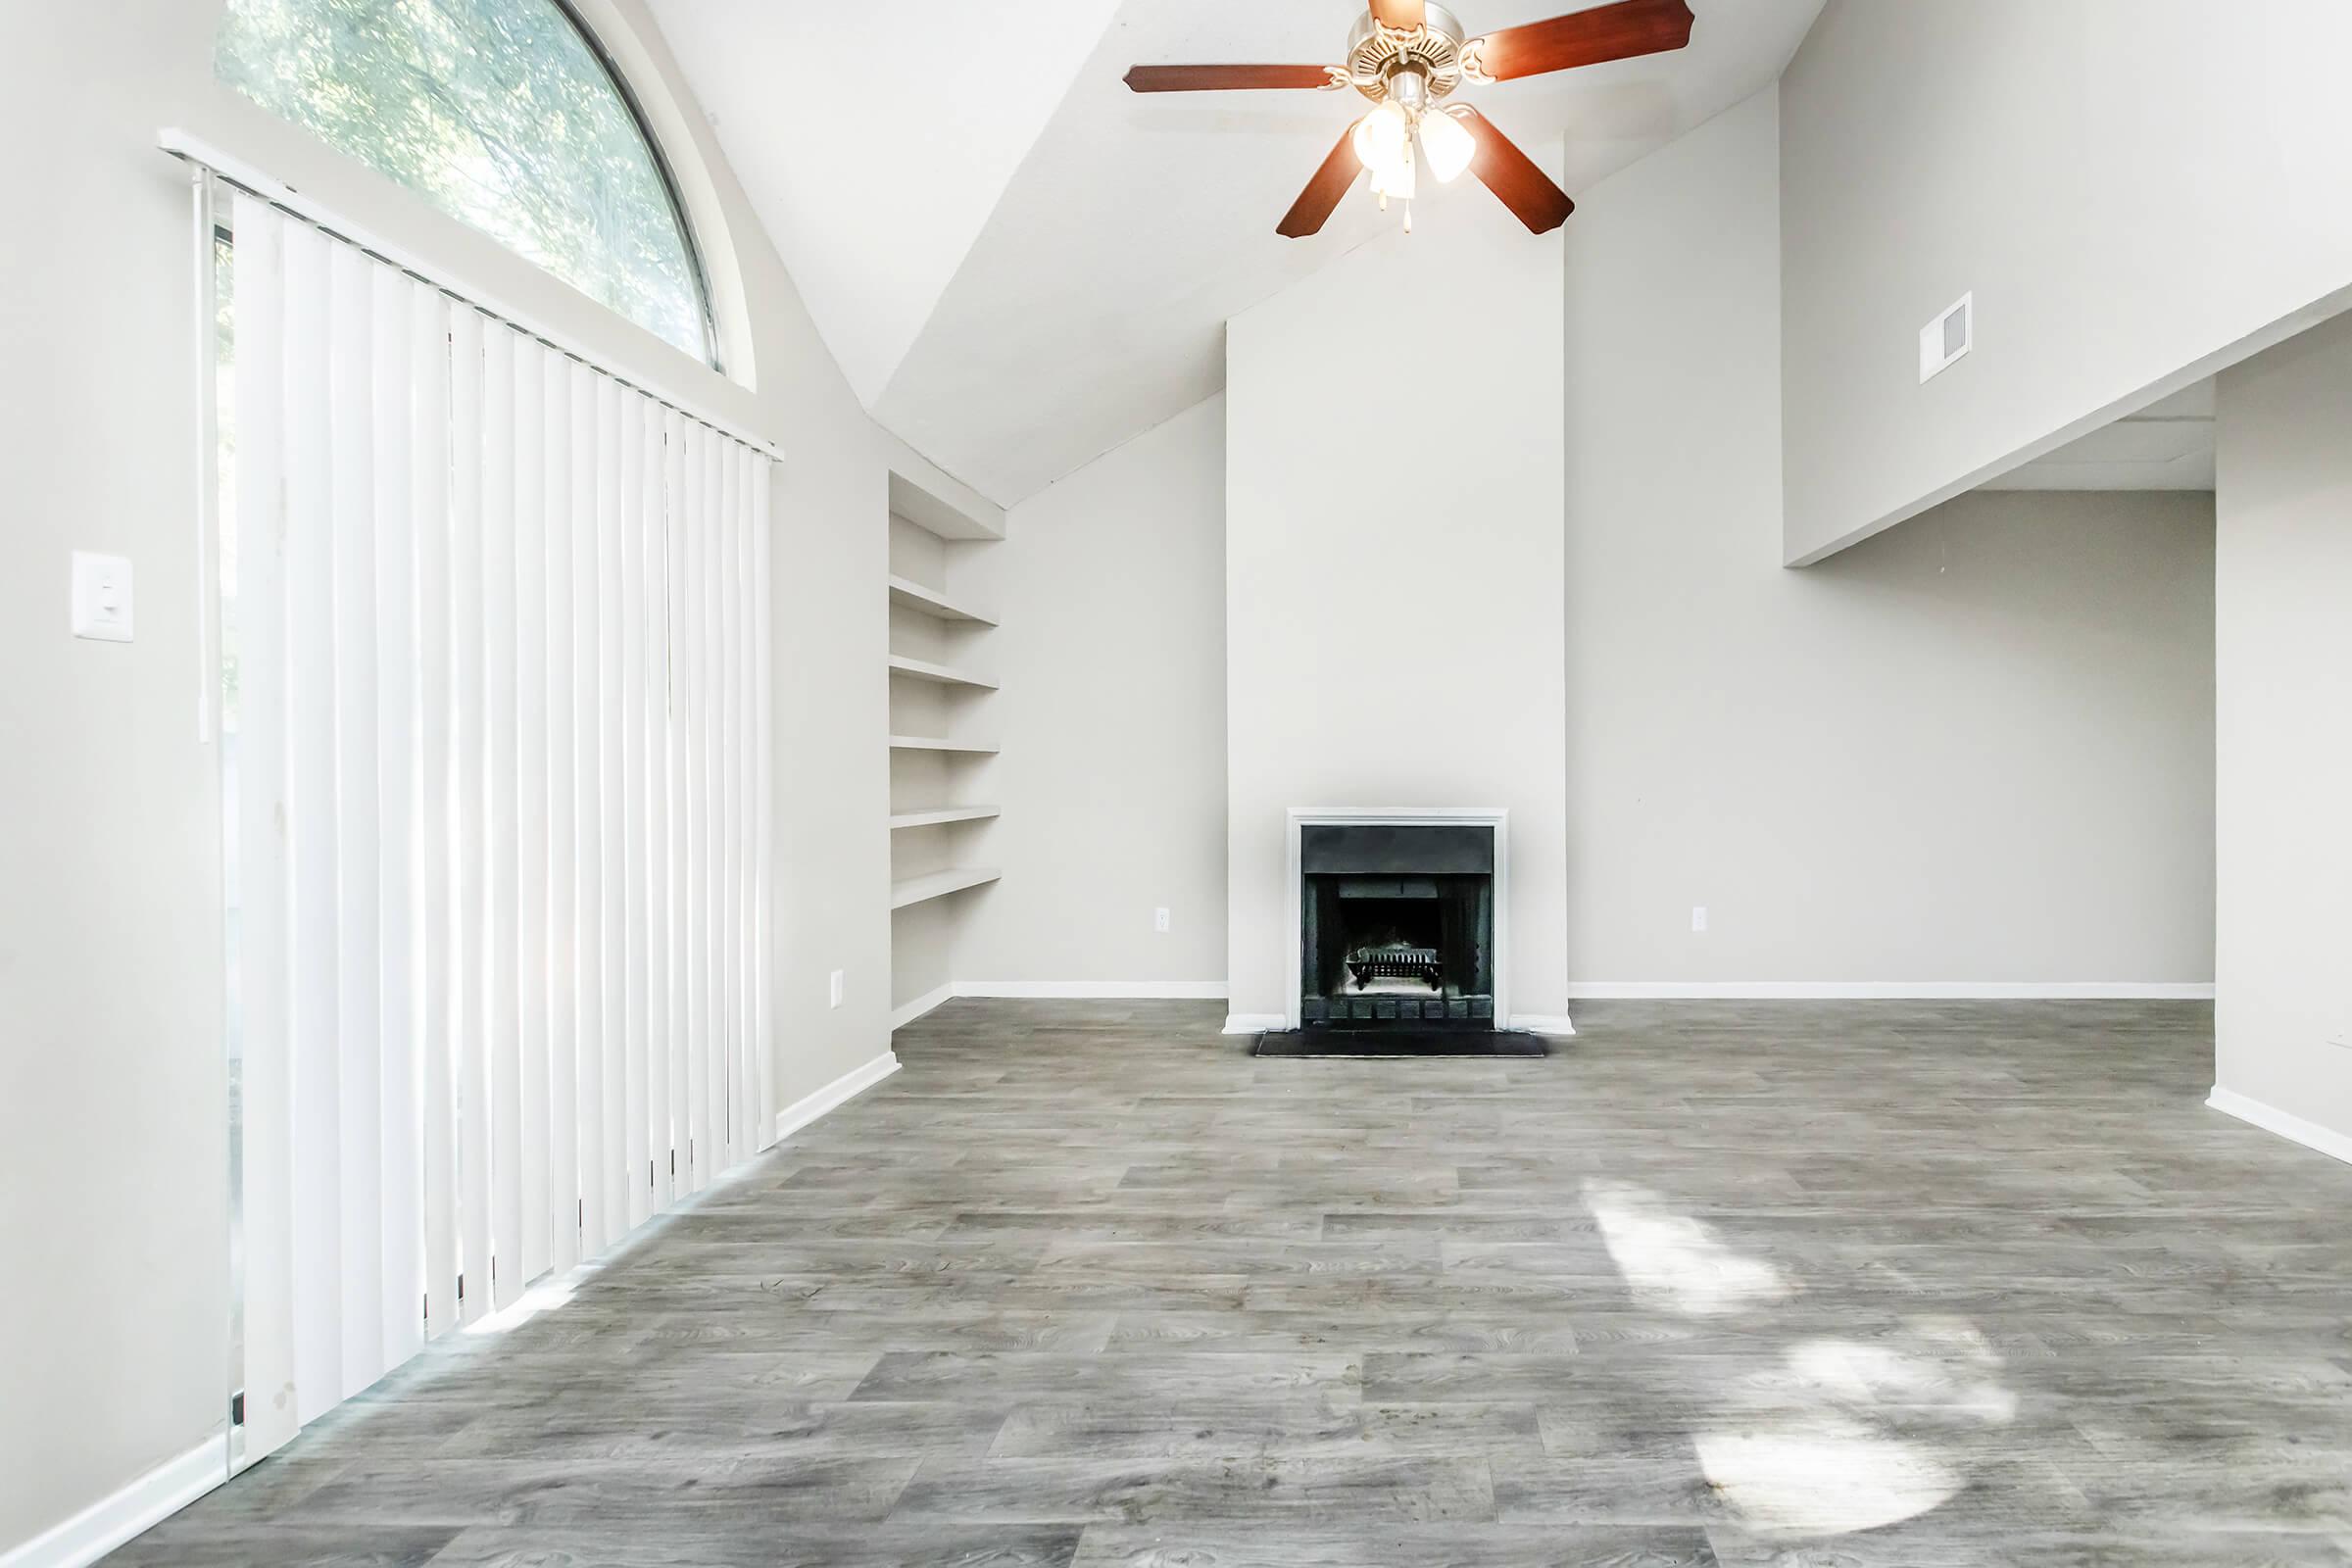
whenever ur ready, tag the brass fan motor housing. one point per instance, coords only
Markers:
(1433, 51)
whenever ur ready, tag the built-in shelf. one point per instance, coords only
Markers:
(939, 884)
(932, 743)
(924, 669)
(929, 512)
(946, 813)
(907, 593)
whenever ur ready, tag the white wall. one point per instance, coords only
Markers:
(1976, 748)
(112, 1104)
(2283, 1014)
(1393, 600)
(2133, 189)
(1111, 588)
(114, 1212)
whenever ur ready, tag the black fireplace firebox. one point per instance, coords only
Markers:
(1397, 926)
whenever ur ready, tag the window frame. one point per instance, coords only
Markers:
(670, 191)
(711, 351)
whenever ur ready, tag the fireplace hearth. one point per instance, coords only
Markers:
(1397, 926)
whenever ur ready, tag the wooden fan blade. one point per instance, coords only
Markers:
(1512, 176)
(1221, 79)
(1618, 31)
(1402, 15)
(1321, 198)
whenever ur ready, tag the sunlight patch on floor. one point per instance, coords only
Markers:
(1830, 1441)
(1818, 1473)
(1674, 1261)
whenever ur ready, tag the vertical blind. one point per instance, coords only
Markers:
(502, 796)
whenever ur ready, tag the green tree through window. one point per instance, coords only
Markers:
(503, 115)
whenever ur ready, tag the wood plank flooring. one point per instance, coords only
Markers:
(1787, 1284)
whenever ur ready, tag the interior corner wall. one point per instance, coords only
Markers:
(111, 1077)
(1393, 600)
(2135, 194)
(1978, 749)
(1110, 586)
(2283, 1011)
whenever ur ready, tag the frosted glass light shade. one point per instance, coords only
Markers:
(1446, 145)
(1383, 140)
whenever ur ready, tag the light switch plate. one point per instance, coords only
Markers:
(101, 597)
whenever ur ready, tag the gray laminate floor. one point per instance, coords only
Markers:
(1800, 1284)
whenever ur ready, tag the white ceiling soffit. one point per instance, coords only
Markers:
(2165, 446)
(1086, 296)
(874, 136)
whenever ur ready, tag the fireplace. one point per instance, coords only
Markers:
(1397, 924)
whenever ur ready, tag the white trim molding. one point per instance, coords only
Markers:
(1104, 989)
(1294, 959)
(1893, 990)
(1063, 990)
(116, 1517)
(805, 1110)
(905, 1013)
(1543, 1023)
(2294, 1129)
(1253, 1023)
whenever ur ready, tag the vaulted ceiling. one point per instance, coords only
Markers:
(1019, 263)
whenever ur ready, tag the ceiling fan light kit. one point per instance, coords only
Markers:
(1408, 57)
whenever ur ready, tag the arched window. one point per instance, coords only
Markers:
(506, 115)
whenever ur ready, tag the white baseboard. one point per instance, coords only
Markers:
(805, 1110)
(1543, 1023)
(1108, 990)
(1893, 989)
(1065, 990)
(1255, 1023)
(114, 1519)
(2271, 1119)
(900, 1017)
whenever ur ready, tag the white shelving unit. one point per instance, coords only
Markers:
(942, 674)
(943, 698)
(943, 816)
(910, 595)
(932, 743)
(939, 884)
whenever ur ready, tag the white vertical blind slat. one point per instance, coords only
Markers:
(468, 680)
(503, 1030)
(636, 1161)
(566, 397)
(530, 800)
(695, 818)
(359, 830)
(594, 416)
(436, 743)
(614, 1166)
(401, 1308)
(313, 945)
(652, 559)
(714, 730)
(674, 698)
(764, 795)
(748, 812)
(730, 579)
(265, 1072)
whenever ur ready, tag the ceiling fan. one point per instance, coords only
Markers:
(1408, 57)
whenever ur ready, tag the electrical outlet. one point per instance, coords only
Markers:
(1160, 919)
(834, 988)
(1699, 917)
